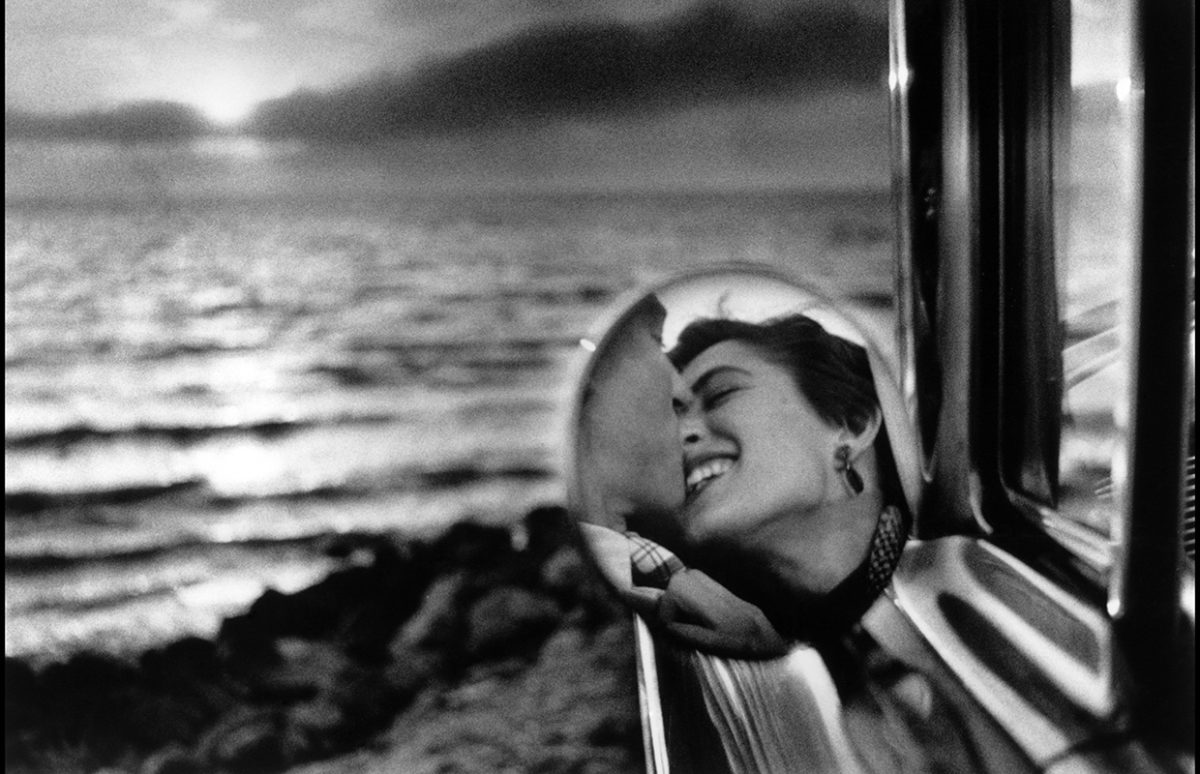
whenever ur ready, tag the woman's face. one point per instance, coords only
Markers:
(755, 450)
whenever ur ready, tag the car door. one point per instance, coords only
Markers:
(1046, 198)
(1043, 617)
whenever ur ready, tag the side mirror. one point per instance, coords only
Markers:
(744, 471)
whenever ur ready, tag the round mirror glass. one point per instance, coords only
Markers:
(744, 470)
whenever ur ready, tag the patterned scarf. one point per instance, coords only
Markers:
(653, 565)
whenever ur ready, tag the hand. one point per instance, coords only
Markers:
(705, 615)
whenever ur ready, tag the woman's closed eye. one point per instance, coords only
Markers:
(717, 396)
(714, 388)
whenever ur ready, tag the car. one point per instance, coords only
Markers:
(1042, 616)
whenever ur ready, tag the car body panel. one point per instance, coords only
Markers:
(1030, 641)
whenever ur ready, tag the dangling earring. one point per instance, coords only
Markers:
(849, 474)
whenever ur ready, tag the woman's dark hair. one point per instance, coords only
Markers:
(833, 374)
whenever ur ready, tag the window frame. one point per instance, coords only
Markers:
(995, 172)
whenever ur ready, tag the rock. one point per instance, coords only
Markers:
(478, 548)
(510, 621)
(564, 646)
(504, 669)
(365, 698)
(192, 656)
(543, 532)
(364, 606)
(85, 675)
(616, 731)
(158, 720)
(410, 671)
(275, 613)
(89, 701)
(557, 763)
(613, 645)
(331, 665)
(245, 645)
(303, 669)
(321, 715)
(20, 695)
(548, 528)
(315, 728)
(473, 691)
(599, 604)
(375, 603)
(171, 760)
(564, 574)
(439, 621)
(248, 740)
(190, 672)
(359, 607)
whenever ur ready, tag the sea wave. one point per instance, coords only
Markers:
(83, 432)
(199, 493)
(23, 561)
(184, 415)
(21, 503)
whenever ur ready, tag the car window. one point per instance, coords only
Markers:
(1094, 178)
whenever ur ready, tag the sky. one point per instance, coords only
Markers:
(772, 92)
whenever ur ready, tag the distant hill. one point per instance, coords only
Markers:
(137, 122)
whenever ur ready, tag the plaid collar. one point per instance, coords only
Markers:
(652, 564)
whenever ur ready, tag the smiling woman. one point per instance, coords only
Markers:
(764, 460)
(798, 466)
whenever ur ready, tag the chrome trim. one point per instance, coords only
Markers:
(1091, 547)
(1187, 597)
(1143, 592)
(776, 716)
(806, 664)
(1121, 527)
(1085, 544)
(932, 569)
(654, 739)
(966, 171)
(896, 639)
(899, 79)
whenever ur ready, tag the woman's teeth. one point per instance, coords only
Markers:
(699, 477)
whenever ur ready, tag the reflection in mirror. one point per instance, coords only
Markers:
(745, 473)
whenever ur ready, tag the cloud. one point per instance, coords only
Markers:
(710, 54)
(598, 70)
(183, 15)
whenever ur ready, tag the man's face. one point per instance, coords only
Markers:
(633, 449)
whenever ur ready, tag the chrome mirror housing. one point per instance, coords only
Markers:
(744, 472)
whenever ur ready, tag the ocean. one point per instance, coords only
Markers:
(201, 393)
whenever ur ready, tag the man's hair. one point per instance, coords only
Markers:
(648, 311)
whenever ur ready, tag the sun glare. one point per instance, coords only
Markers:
(226, 102)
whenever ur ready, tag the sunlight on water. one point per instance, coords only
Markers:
(246, 465)
(199, 394)
(244, 148)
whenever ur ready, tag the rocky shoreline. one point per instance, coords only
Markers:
(485, 649)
